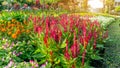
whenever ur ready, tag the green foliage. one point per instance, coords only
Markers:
(49, 1)
(20, 16)
(32, 46)
(104, 21)
(117, 9)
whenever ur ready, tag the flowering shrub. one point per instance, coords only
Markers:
(66, 41)
(16, 54)
(14, 28)
(104, 21)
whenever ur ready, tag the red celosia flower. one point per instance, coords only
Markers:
(47, 20)
(51, 53)
(75, 47)
(38, 29)
(37, 2)
(54, 35)
(83, 57)
(95, 39)
(94, 44)
(73, 50)
(85, 42)
(46, 41)
(59, 34)
(73, 66)
(66, 53)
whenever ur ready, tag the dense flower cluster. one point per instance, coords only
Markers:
(13, 28)
(81, 34)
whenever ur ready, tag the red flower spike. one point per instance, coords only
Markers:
(73, 66)
(66, 54)
(46, 41)
(94, 44)
(37, 2)
(38, 29)
(75, 47)
(54, 35)
(51, 53)
(83, 57)
(59, 35)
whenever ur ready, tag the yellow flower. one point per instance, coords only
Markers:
(8, 23)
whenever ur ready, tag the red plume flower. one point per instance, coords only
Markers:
(66, 54)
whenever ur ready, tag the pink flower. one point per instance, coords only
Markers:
(44, 65)
(31, 61)
(10, 64)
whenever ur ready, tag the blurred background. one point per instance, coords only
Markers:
(102, 6)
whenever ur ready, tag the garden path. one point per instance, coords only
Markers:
(112, 50)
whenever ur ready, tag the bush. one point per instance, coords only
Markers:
(117, 9)
(62, 41)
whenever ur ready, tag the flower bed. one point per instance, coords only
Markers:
(104, 21)
(65, 41)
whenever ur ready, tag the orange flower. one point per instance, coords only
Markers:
(14, 36)
(12, 25)
(9, 33)
(3, 30)
(18, 31)
(18, 23)
(27, 31)
(22, 26)
(2, 25)
(13, 20)
(25, 22)
(23, 30)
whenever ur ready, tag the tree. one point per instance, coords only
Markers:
(108, 5)
(85, 4)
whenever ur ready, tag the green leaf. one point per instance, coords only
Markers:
(42, 61)
(63, 45)
(100, 46)
(39, 56)
(96, 57)
(48, 65)
(57, 66)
